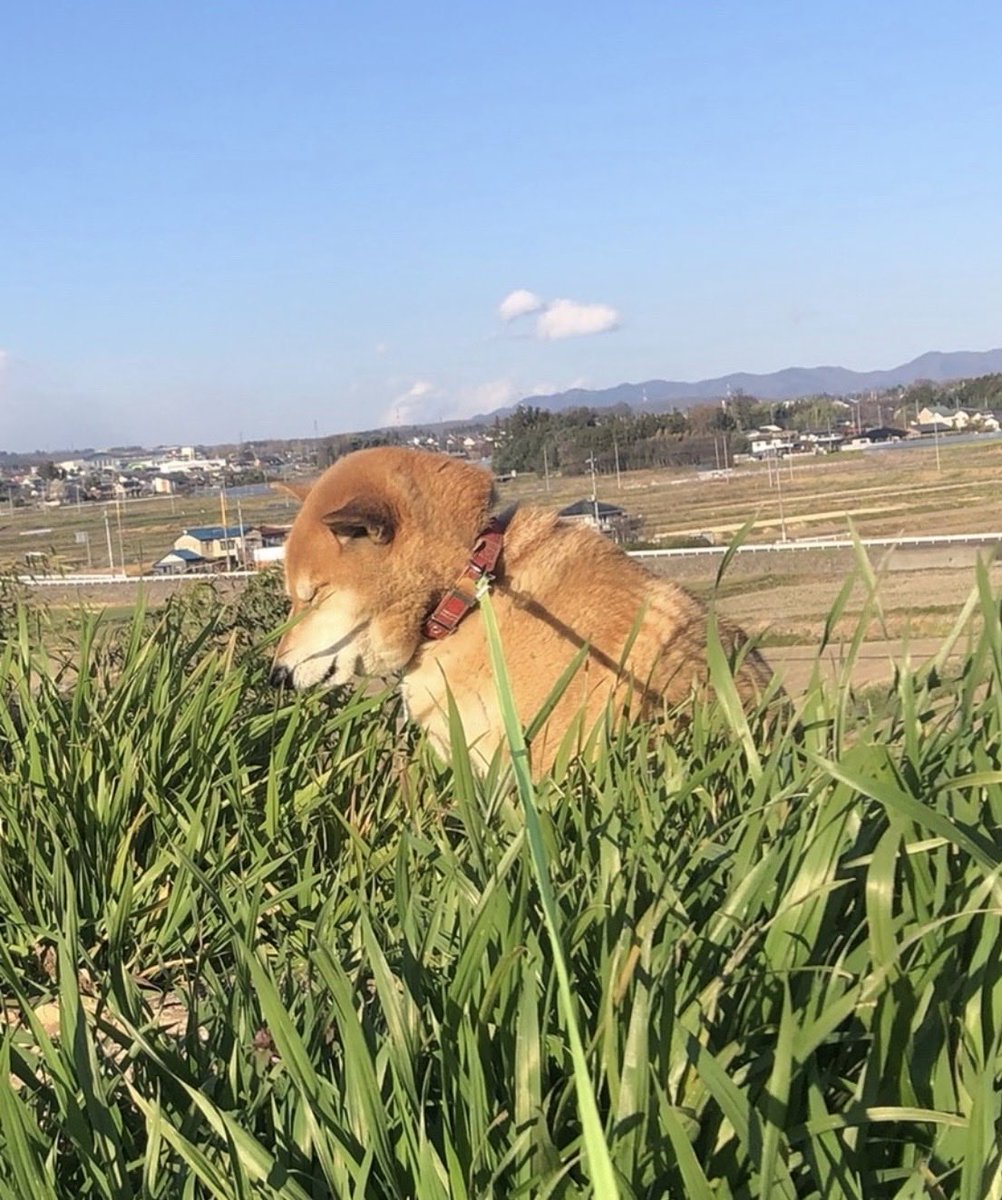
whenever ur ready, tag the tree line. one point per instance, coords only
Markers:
(572, 440)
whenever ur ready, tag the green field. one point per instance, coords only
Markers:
(261, 946)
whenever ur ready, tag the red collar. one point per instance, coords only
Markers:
(462, 596)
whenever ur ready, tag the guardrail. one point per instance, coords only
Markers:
(112, 580)
(945, 539)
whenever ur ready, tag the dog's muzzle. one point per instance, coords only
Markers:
(280, 676)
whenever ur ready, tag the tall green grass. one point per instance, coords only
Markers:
(260, 946)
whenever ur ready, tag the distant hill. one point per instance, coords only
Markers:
(788, 384)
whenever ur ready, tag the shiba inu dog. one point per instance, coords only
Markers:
(382, 567)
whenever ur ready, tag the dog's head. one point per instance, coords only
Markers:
(378, 539)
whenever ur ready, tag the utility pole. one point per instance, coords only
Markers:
(224, 540)
(243, 542)
(107, 534)
(615, 446)
(546, 467)
(121, 540)
(779, 493)
(594, 493)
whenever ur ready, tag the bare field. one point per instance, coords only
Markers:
(911, 614)
(786, 596)
(139, 531)
(882, 493)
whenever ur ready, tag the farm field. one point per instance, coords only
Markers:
(782, 597)
(140, 531)
(883, 493)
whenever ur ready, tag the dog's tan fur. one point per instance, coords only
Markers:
(384, 533)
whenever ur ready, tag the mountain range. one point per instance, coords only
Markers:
(788, 384)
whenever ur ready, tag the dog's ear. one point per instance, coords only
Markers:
(363, 517)
(299, 490)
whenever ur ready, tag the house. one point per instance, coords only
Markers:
(770, 441)
(822, 443)
(220, 545)
(273, 535)
(609, 519)
(272, 548)
(127, 485)
(180, 562)
(879, 435)
(268, 556)
(934, 415)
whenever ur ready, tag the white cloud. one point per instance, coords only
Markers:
(558, 318)
(410, 406)
(551, 389)
(519, 303)
(424, 402)
(568, 318)
(485, 398)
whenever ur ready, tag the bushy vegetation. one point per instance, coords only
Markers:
(569, 440)
(253, 945)
(535, 439)
(981, 392)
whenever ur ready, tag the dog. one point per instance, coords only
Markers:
(382, 568)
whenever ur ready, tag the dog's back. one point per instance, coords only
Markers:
(565, 590)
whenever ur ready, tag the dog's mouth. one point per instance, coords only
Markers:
(330, 676)
(330, 666)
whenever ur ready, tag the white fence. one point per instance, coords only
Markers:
(830, 543)
(821, 543)
(91, 579)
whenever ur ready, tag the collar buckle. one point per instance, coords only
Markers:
(465, 593)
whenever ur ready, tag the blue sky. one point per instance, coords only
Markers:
(281, 219)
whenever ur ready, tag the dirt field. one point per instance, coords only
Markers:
(882, 493)
(785, 598)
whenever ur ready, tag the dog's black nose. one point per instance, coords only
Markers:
(280, 677)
